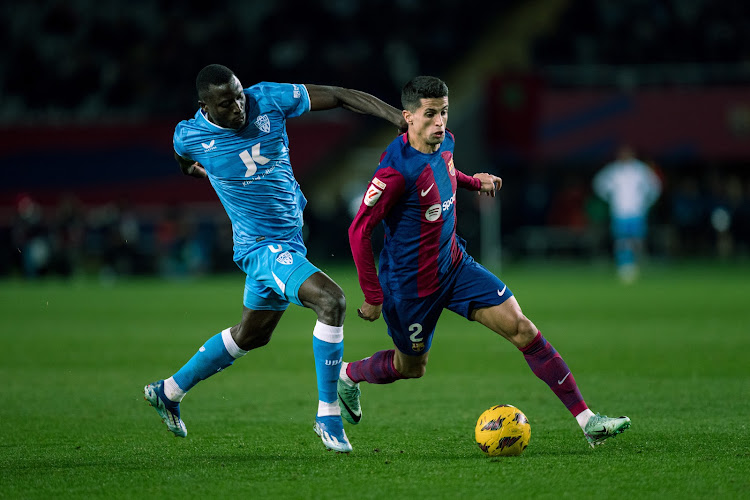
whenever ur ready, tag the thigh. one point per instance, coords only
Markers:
(475, 287)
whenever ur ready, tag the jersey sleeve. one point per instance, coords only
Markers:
(466, 182)
(382, 194)
(178, 141)
(602, 183)
(291, 98)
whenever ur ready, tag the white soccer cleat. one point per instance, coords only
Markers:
(331, 432)
(601, 427)
(168, 410)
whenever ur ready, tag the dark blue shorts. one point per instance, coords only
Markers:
(411, 322)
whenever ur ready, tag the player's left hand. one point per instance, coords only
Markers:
(490, 183)
(369, 311)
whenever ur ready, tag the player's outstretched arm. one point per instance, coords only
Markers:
(326, 97)
(190, 167)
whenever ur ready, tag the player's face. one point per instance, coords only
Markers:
(427, 124)
(225, 104)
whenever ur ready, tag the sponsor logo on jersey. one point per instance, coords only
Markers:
(285, 258)
(208, 147)
(372, 195)
(297, 92)
(425, 191)
(450, 201)
(433, 213)
(378, 183)
(263, 123)
(252, 159)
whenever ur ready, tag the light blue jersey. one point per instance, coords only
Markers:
(249, 168)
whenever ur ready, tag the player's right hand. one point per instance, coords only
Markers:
(369, 311)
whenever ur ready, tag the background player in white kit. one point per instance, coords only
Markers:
(238, 140)
(630, 187)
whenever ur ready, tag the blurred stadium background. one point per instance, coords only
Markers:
(542, 94)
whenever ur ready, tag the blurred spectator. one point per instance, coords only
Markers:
(689, 215)
(741, 219)
(109, 61)
(67, 233)
(30, 236)
(633, 42)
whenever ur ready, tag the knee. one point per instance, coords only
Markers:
(332, 306)
(524, 332)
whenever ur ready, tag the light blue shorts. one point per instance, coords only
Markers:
(275, 271)
(629, 227)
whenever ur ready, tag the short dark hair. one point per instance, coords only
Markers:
(422, 87)
(213, 74)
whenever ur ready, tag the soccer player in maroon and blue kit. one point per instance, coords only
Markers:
(424, 267)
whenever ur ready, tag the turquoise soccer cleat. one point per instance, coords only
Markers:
(601, 427)
(169, 411)
(349, 401)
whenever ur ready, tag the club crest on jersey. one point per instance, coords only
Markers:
(263, 123)
(208, 147)
(285, 258)
(451, 167)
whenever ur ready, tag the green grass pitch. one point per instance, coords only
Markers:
(671, 352)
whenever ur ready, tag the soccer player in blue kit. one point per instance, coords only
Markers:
(424, 267)
(238, 140)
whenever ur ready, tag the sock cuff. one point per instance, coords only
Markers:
(534, 345)
(172, 390)
(230, 345)
(391, 356)
(328, 333)
(326, 409)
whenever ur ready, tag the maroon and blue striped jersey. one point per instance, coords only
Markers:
(414, 195)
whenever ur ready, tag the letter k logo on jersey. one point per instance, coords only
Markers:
(251, 160)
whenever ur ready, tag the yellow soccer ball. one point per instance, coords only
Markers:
(503, 430)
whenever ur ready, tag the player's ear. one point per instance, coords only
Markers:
(408, 116)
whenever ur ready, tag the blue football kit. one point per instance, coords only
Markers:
(251, 172)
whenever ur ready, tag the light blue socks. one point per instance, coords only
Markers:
(328, 348)
(217, 353)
